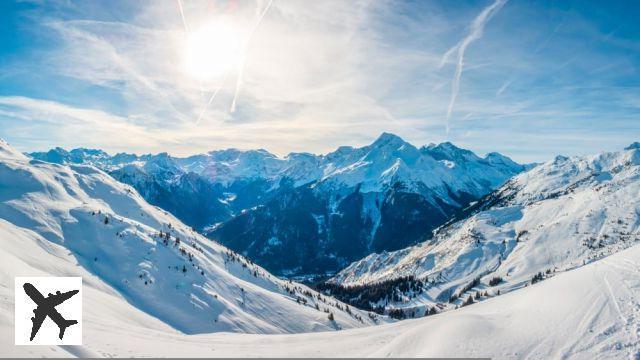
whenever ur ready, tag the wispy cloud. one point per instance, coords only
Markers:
(504, 87)
(475, 33)
(55, 122)
(321, 74)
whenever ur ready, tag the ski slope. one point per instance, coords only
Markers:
(591, 312)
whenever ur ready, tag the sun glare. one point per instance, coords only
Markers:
(212, 50)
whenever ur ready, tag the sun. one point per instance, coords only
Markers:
(212, 50)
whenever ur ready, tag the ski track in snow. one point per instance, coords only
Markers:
(572, 315)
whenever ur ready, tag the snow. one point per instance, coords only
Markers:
(555, 217)
(443, 168)
(591, 312)
(108, 232)
(559, 215)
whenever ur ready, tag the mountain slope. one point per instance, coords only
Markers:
(589, 313)
(557, 216)
(309, 214)
(147, 256)
(384, 196)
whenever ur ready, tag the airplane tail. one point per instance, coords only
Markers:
(64, 327)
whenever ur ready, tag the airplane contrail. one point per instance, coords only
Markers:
(244, 56)
(213, 95)
(477, 28)
(184, 20)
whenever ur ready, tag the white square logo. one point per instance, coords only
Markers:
(48, 310)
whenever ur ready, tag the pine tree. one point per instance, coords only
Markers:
(331, 318)
(537, 277)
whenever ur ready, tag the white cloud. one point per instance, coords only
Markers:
(316, 75)
(58, 123)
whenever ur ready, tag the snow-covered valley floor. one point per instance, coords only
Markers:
(591, 312)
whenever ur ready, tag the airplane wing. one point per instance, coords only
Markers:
(33, 293)
(37, 320)
(58, 298)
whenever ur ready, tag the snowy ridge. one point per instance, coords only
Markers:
(557, 216)
(305, 214)
(388, 159)
(443, 169)
(147, 256)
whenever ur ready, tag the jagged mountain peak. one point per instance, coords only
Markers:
(388, 139)
(378, 187)
(555, 217)
(448, 151)
(234, 153)
(88, 151)
(300, 155)
(497, 158)
(390, 150)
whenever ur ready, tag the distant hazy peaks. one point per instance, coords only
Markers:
(635, 145)
(232, 154)
(497, 158)
(448, 151)
(76, 156)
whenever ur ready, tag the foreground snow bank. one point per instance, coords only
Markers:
(591, 312)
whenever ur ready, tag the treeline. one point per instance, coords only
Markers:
(374, 297)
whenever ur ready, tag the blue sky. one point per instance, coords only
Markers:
(530, 79)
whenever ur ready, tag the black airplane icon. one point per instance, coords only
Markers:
(47, 307)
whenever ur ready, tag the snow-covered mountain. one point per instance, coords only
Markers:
(557, 216)
(52, 222)
(383, 196)
(201, 190)
(310, 214)
(77, 220)
(589, 313)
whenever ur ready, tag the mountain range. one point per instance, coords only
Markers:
(502, 261)
(555, 217)
(307, 214)
(76, 220)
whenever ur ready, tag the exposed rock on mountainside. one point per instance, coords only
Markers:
(306, 214)
(76, 219)
(557, 216)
